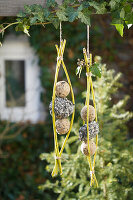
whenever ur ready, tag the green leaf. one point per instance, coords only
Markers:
(129, 17)
(40, 16)
(61, 14)
(28, 9)
(23, 27)
(71, 13)
(33, 20)
(19, 27)
(119, 28)
(84, 16)
(0, 44)
(94, 5)
(66, 2)
(127, 8)
(46, 12)
(26, 28)
(122, 13)
(55, 22)
(96, 70)
(21, 14)
(80, 8)
(100, 7)
(51, 3)
(116, 17)
(114, 3)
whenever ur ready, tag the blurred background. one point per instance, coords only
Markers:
(27, 67)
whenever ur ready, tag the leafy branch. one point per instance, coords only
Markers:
(121, 12)
(95, 68)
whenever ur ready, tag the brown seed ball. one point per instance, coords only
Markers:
(62, 126)
(84, 148)
(91, 113)
(62, 89)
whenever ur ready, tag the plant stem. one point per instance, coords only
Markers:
(45, 23)
(9, 26)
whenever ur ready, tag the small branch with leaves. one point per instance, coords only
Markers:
(95, 68)
(71, 10)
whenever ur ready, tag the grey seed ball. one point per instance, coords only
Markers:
(84, 148)
(91, 113)
(62, 126)
(62, 89)
(62, 108)
(93, 131)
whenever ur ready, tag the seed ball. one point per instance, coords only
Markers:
(93, 131)
(91, 113)
(62, 89)
(62, 126)
(84, 148)
(63, 108)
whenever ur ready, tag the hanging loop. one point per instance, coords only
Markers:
(88, 43)
(60, 33)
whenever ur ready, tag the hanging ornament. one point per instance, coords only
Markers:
(90, 128)
(84, 148)
(62, 89)
(62, 126)
(63, 107)
(60, 107)
(93, 131)
(91, 113)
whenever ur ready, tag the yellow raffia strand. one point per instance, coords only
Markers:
(90, 85)
(60, 52)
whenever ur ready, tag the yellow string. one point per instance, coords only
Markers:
(93, 96)
(58, 153)
(57, 161)
(90, 84)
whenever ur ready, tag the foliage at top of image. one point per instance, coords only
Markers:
(70, 10)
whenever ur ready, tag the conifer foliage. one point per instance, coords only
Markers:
(114, 159)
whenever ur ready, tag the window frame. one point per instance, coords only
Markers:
(18, 48)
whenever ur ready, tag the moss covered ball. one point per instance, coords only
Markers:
(91, 113)
(84, 148)
(93, 131)
(62, 126)
(62, 108)
(62, 89)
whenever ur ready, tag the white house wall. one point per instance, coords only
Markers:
(18, 48)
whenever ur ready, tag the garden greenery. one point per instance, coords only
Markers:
(25, 166)
(114, 160)
(71, 10)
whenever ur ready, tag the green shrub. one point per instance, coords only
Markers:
(114, 160)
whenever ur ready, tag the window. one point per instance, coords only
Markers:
(20, 86)
(15, 83)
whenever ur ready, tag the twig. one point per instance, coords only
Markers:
(6, 137)
(9, 26)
